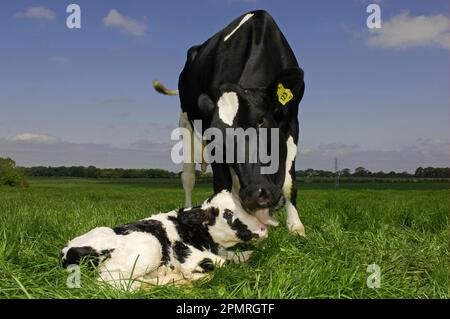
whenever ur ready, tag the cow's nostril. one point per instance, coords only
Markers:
(262, 197)
(261, 193)
(258, 197)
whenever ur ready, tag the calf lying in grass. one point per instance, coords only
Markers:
(174, 247)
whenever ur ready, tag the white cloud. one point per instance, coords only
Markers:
(127, 25)
(38, 12)
(406, 31)
(424, 152)
(29, 149)
(34, 138)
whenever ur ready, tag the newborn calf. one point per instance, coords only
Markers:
(172, 247)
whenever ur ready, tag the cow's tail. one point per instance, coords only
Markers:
(159, 87)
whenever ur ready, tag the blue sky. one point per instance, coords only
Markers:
(79, 97)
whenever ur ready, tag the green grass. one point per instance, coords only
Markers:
(403, 229)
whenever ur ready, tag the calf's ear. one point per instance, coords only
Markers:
(198, 215)
(206, 106)
(287, 88)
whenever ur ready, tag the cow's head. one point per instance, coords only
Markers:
(274, 107)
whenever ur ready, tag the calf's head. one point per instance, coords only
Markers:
(232, 224)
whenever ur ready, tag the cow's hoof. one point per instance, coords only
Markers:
(298, 229)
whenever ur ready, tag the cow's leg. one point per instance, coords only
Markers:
(188, 180)
(221, 177)
(236, 186)
(188, 174)
(290, 190)
(293, 221)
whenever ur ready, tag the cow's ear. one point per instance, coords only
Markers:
(206, 106)
(288, 87)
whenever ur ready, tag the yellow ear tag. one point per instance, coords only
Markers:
(284, 94)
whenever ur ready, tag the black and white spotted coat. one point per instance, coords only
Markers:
(179, 245)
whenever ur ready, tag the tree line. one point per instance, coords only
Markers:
(12, 175)
(94, 172)
(427, 172)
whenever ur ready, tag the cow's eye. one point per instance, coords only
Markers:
(261, 122)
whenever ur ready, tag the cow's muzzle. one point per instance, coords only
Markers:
(255, 197)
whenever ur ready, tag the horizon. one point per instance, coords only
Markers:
(352, 170)
(80, 97)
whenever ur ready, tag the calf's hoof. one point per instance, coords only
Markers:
(242, 256)
(298, 229)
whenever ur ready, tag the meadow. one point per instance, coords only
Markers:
(401, 227)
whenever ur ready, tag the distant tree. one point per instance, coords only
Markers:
(10, 174)
(404, 174)
(445, 172)
(59, 171)
(379, 174)
(91, 172)
(440, 172)
(419, 172)
(299, 173)
(391, 174)
(346, 172)
(361, 171)
(77, 171)
(322, 173)
(428, 172)
(310, 172)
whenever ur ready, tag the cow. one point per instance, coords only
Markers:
(175, 247)
(245, 76)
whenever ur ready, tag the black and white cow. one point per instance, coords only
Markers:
(245, 76)
(174, 247)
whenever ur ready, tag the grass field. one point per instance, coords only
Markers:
(401, 228)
